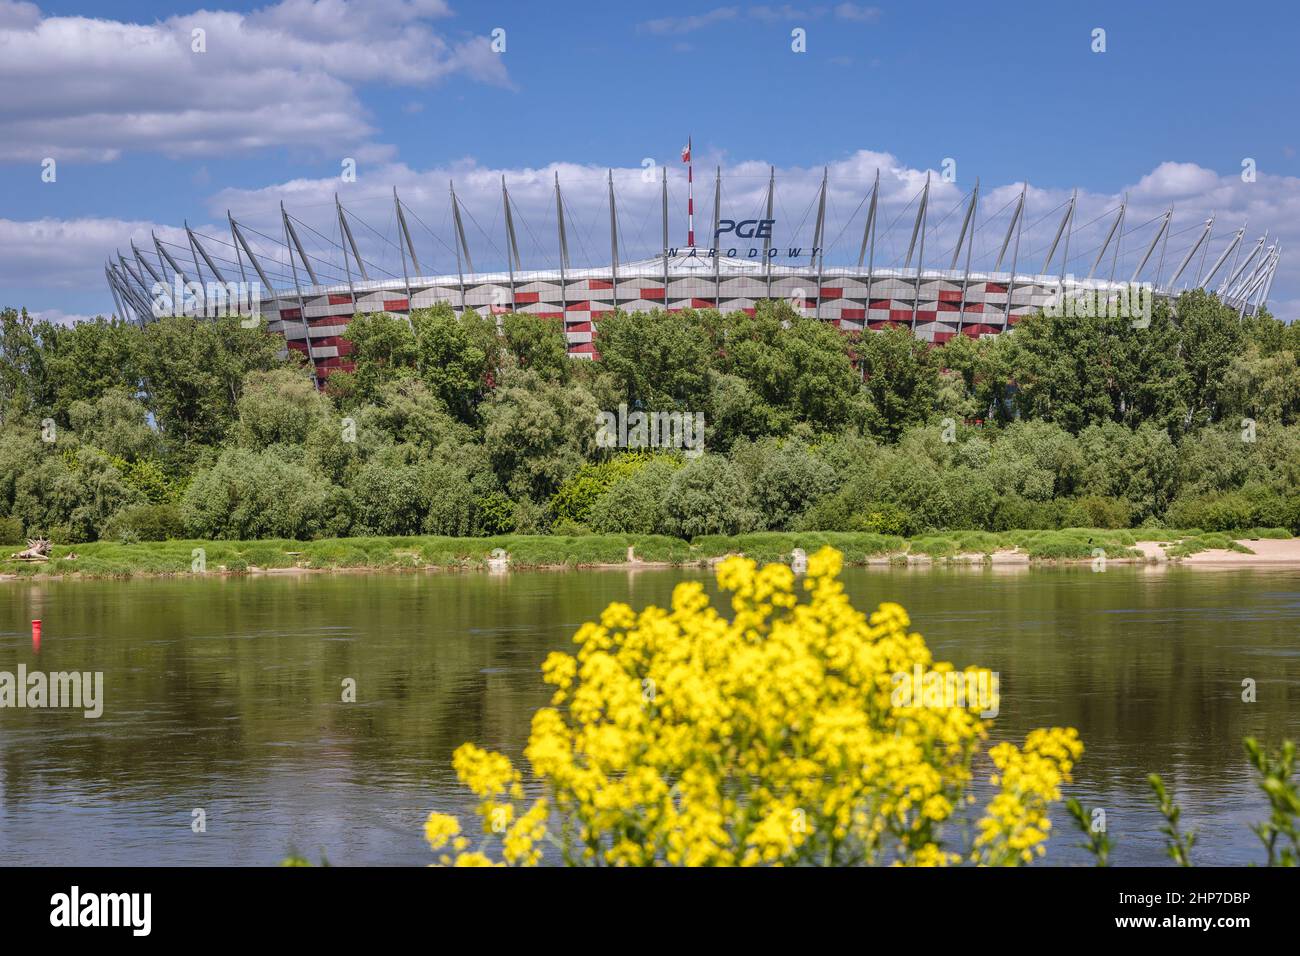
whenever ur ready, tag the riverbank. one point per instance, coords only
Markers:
(113, 559)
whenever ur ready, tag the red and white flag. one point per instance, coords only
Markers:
(686, 151)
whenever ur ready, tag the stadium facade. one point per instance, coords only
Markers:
(309, 296)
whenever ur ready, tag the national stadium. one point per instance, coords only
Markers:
(838, 252)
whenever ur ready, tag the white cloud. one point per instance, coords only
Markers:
(858, 13)
(59, 317)
(63, 258)
(1173, 180)
(689, 24)
(284, 75)
(668, 26)
(66, 256)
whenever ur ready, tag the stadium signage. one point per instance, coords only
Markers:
(746, 228)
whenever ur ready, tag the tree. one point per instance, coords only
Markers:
(795, 364)
(115, 422)
(24, 380)
(901, 381)
(429, 497)
(280, 406)
(634, 504)
(1080, 370)
(538, 433)
(383, 350)
(192, 371)
(457, 356)
(538, 343)
(247, 495)
(89, 358)
(708, 496)
(790, 481)
(1264, 388)
(660, 359)
(1209, 337)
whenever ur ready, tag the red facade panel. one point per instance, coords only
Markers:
(396, 305)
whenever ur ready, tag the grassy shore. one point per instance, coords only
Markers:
(113, 559)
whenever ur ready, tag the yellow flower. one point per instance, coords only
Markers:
(772, 737)
(439, 828)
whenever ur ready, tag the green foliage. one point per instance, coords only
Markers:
(116, 423)
(450, 424)
(708, 496)
(430, 498)
(538, 344)
(1280, 834)
(791, 480)
(191, 372)
(794, 369)
(494, 514)
(144, 522)
(537, 434)
(247, 494)
(383, 351)
(900, 382)
(456, 355)
(634, 503)
(11, 530)
(278, 407)
(575, 498)
(1097, 840)
(1178, 843)
(660, 360)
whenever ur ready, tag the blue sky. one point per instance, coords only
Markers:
(145, 136)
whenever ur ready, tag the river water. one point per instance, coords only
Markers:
(225, 695)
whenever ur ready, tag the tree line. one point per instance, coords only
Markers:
(463, 425)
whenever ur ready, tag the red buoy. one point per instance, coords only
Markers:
(36, 636)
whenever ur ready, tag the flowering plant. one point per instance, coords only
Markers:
(684, 737)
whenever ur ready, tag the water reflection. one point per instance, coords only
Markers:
(227, 695)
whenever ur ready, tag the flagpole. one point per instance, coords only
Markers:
(690, 196)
